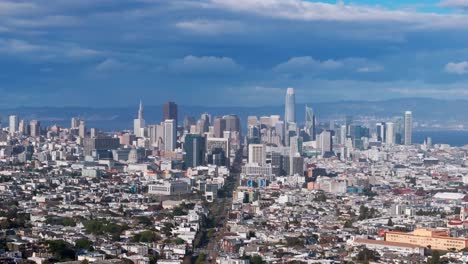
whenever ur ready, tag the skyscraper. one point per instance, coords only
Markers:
(380, 131)
(75, 122)
(390, 133)
(408, 127)
(232, 123)
(219, 126)
(343, 134)
(170, 112)
(326, 144)
(13, 124)
(290, 106)
(35, 127)
(257, 154)
(194, 148)
(310, 122)
(170, 136)
(23, 128)
(139, 123)
(82, 129)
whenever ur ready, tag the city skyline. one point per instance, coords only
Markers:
(298, 47)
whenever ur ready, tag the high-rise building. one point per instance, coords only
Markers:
(232, 123)
(75, 122)
(348, 123)
(139, 123)
(290, 106)
(170, 135)
(408, 127)
(23, 128)
(380, 131)
(326, 144)
(93, 132)
(194, 148)
(170, 112)
(343, 134)
(100, 143)
(310, 122)
(188, 122)
(82, 129)
(390, 133)
(35, 128)
(252, 121)
(219, 125)
(257, 154)
(13, 124)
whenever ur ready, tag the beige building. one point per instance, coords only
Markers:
(433, 238)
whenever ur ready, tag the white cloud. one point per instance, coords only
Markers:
(78, 52)
(457, 67)
(210, 27)
(18, 46)
(206, 64)
(47, 21)
(453, 92)
(16, 7)
(370, 68)
(454, 3)
(317, 11)
(110, 64)
(306, 63)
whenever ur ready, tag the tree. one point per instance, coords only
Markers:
(348, 224)
(84, 244)
(146, 237)
(435, 259)
(61, 250)
(256, 260)
(366, 255)
(200, 259)
(390, 222)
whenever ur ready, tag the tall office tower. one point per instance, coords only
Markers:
(194, 148)
(219, 125)
(290, 106)
(257, 154)
(203, 125)
(139, 123)
(348, 123)
(293, 153)
(170, 135)
(35, 127)
(93, 132)
(155, 134)
(23, 128)
(399, 130)
(188, 122)
(170, 112)
(343, 135)
(252, 121)
(380, 131)
(408, 127)
(310, 122)
(75, 122)
(280, 129)
(232, 123)
(82, 129)
(13, 124)
(326, 144)
(390, 133)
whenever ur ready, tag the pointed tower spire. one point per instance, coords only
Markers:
(140, 110)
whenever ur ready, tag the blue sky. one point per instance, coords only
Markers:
(230, 52)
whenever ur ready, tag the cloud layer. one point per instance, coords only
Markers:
(230, 52)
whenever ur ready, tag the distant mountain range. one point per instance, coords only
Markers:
(424, 109)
